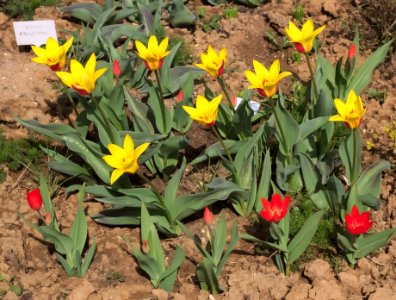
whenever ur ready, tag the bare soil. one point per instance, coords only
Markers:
(29, 91)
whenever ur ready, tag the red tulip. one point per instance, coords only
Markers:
(352, 52)
(116, 68)
(357, 223)
(34, 199)
(208, 216)
(275, 210)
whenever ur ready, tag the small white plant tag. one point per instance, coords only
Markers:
(254, 105)
(34, 32)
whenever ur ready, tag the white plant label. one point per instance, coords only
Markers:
(34, 32)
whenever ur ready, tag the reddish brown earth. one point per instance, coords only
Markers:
(27, 91)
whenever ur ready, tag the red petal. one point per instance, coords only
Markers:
(299, 47)
(276, 202)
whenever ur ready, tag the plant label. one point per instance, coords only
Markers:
(34, 32)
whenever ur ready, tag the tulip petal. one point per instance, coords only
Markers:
(141, 49)
(115, 175)
(140, 149)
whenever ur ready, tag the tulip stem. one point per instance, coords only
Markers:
(72, 103)
(216, 133)
(104, 117)
(157, 77)
(311, 70)
(222, 85)
(355, 148)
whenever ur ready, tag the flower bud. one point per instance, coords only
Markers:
(180, 96)
(352, 52)
(145, 247)
(34, 199)
(208, 216)
(47, 218)
(116, 68)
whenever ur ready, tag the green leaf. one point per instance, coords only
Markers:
(287, 129)
(373, 242)
(310, 126)
(162, 115)
(363, 75)
(63, 243)
(70, 270)
(79, 228)
(231, 245)
(167, 279)
(350, 153)
(171, 190)
(207, 277)
(303, 238)
(370, 181)
(264, 185)
(344, 243)
(250, 238)
(219, 239)
(86, 262)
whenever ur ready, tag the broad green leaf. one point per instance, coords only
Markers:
(264, 186)
(350, 153)
(364, 74)
(344, 243)
(207, 277)
(231, 245)
(63, 243)
(369, 181)
(79, 228)
(171, 190)
(373, 242)
(219, 239)
(310, 126)
(86, 262)
(287, 129)
(303, 238)
(167, 279)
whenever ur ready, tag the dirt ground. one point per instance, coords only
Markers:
(27, 91)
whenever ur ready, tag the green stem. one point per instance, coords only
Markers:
(157, 193)
(216, 133)
(104, 117)
(157, 77)
(355, 154)
(222, 85)
(287, 270)
(316, 91)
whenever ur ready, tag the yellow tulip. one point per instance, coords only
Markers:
(54, 55)
(153, 55)
(82, 79)
(213, 63)
(350, 112)
(124, 160)
(265, 81)
(205, 112)
(303, 39)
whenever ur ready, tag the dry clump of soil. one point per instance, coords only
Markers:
(28, 92)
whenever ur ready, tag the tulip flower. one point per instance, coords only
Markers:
(116, 68)
(350, 112)
(180, 96)
(265, 81)
(275, 210)
(303, 39)
(212, 62)
(153, 55)
(54, 55)
(208, 216)
(205, 111)
(357, 223)
(124, 160)
(34, 199)
(82, 79)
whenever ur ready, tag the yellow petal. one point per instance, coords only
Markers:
(66, 46)
(223, 55)
(340, 107)
(40, 60)
(293, 32)
(162, 48)
(284, 74)
(91, 65)
(307, 28)
(99, 73)
(115, 150)
(141, 49)
(129, 146)
(201, 102)
(67, 78)
(336, 118)
(152, 44)
(140, 149)
(38, 51)
(76, 67)
(319, 30)
(261, 71)
(52, 45)
(255, 82)
(274, 70)
(113, 161)
(115, 175)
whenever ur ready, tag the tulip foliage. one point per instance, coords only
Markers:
(136, 106)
